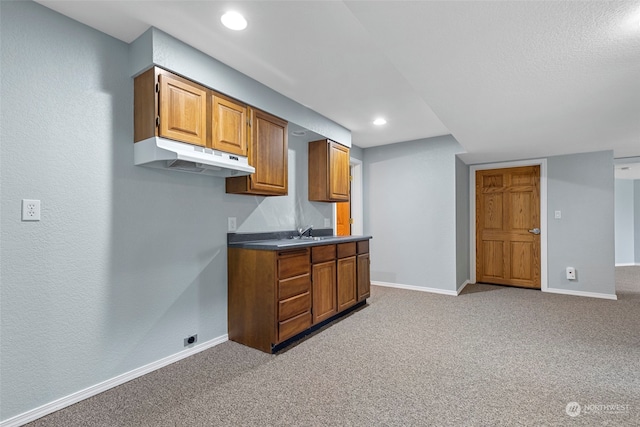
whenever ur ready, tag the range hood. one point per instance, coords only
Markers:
(164, 153)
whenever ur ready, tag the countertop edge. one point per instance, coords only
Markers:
(256, 244)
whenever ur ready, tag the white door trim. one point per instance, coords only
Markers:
(357, 202)
(543, 213)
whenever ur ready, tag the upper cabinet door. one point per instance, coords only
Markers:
(229, 125)
(328, 171)
(339, 171)
(183, 110)
(269, 153)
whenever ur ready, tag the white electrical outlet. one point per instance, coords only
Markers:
(232, 223)
(571, 273)
(30, 210)
(327, 222)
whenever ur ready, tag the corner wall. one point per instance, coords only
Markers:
(463, 231)
(625, 230)
(410, 201)
(581, 186)
(636, 216)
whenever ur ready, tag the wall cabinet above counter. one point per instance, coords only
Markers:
(174, 108)
(329, 179)
(268, 153)
(170, 106)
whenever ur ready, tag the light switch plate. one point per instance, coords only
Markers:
(558, 215)
(231, 222)
(327, 222)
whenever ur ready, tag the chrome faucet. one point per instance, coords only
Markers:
(301, 231)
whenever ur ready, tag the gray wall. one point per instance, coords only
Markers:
(582, 187)
(127, 260)
(410, 209)
(636, 216)
(356, 152)
(624, 221)
(462, 223)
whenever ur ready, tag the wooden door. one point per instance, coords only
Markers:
(343, 218)
(338, 172)
(507, 220)
(229, 125)
(183, 110)
(324, 291)
(346, 282)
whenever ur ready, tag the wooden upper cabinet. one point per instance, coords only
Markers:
(268, 154)
(229, 119)
(328, 171)
(183, 110)
(170, 106)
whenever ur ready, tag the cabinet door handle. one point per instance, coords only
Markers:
(534, 231)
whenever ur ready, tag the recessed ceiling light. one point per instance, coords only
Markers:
(234, 21)
(379, 121)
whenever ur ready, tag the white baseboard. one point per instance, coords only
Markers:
(581, 293)
(76, 397)
(631, 264)
(461, 287)
(415, 288)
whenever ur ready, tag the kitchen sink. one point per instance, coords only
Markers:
(312, 238)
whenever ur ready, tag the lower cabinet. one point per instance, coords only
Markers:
(363, 270)
(324, 291)
(275, 295)
(269, 296)
(346, 275)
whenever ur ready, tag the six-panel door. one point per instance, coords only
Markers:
(507, 220)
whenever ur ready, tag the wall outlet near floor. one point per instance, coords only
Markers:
(571, 273)
(231, 222)
(30, 210)
(190, 340)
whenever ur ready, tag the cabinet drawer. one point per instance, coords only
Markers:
(363, 246)
(295, 263)
(294, 306)
(323, 253)
(294, 286)
(295, 325)
(346, 249)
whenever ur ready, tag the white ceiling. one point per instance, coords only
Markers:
(508, 80)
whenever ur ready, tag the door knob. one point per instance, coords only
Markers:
(535, 231)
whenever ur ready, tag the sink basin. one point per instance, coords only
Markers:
(312, 238)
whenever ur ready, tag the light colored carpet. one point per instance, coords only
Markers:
(494, 356)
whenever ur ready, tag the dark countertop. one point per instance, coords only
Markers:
(271, 242)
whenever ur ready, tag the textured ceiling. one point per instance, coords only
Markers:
(508, 79)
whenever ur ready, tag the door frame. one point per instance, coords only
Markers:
(543, 213)
(356, 198)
